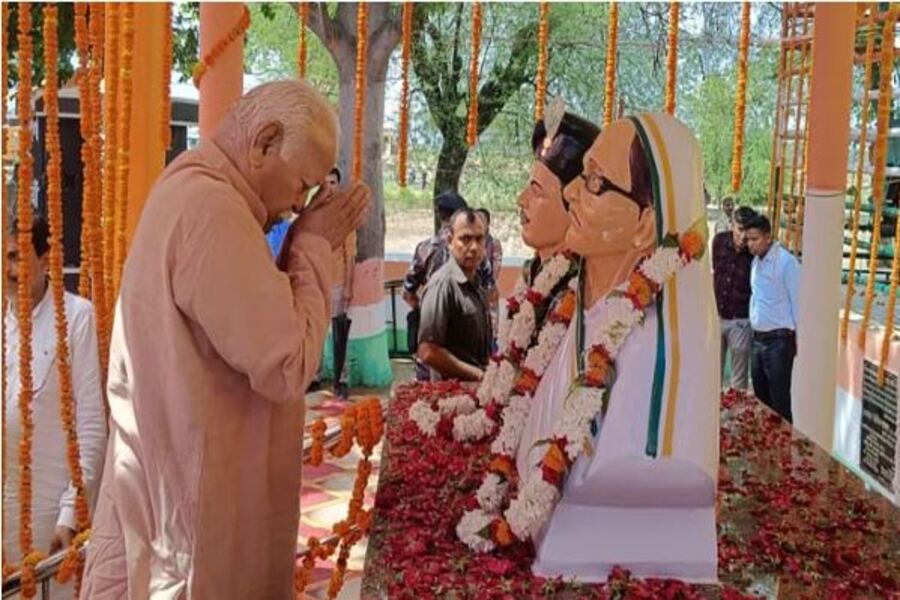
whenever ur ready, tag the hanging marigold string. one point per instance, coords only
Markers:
(799, 133)
(740, 101)
(30, 556)
(82, 44)
(403, 152)
(879, 159)
(166, 116)
(303, 18)
(891, 306)
(672, 57)
(472, 123)
(860, 167)
(57, 285)
(540, 94)
(123, 164)
(362, 50)
(797, 244)
(364, 422)
(208, 60)
(110, 143)
(5, 62)
(95, 225)
(612, 49)
(774, 170)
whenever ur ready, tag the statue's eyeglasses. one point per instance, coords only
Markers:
(598, 185)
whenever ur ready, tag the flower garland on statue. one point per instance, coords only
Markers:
(517, 367)
(484, 528)
(208, 60)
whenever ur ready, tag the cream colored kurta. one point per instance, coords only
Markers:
(212, 349)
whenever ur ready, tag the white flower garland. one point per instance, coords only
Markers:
(532, 508)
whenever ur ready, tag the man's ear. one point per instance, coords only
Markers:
(266, 141)
(645, 235)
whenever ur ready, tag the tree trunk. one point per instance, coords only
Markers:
(451, 160)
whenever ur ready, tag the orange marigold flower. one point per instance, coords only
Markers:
(640, 290)
(692, 244)
(502, 465)
(501, 533)
(527, 382)
(565, 310)
(554, 459)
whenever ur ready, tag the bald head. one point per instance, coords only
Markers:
(282, 136)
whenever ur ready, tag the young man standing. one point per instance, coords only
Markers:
(774, 283)
(731, 276)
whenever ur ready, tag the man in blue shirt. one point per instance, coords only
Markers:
(774, 284)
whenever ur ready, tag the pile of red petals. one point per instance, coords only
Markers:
(788, 514)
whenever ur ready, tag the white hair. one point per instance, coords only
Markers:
(302, 111)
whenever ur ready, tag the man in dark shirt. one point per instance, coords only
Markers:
(731, 278)
(455, 329)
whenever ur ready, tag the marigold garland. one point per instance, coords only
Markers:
(364, 422)
(23, 297)
(740, 103)
(543, 37)
(303, 17)
(672, 57)
(210, 58)
(54, 206)
(5, 61)
(317, 451)
(166, 116)
(860, 167)
(84, 99)
(403, 152)
(891, 306)
(799, 135)
(472, 123)
(95, 224)
(110, 144)
(612, 49)
(879, 159)
(123, 150)
(362, 50)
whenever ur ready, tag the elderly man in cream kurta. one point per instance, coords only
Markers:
(212, 348)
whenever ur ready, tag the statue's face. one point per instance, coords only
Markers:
(604, 219)
(542, 215)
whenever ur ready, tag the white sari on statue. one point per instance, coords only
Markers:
(644, 496)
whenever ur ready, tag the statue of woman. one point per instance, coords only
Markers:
(638, 487)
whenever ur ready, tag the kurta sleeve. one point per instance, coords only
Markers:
(90, 416)
(265, 323)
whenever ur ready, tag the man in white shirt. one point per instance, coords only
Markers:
(774, 285)
(53, 497)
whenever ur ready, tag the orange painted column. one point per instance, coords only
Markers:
(222, 84)
(147, 152)
(815, 369)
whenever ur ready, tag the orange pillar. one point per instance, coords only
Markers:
(147, 152)
(815, 379)
(222, 84)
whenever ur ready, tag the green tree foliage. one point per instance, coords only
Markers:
(66, 18)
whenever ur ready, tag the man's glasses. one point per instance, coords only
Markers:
(598, 185)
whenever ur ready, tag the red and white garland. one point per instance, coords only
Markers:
(511, 369)
(485, 528)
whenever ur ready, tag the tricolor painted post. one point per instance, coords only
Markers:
(815, 369)
(222, 84)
